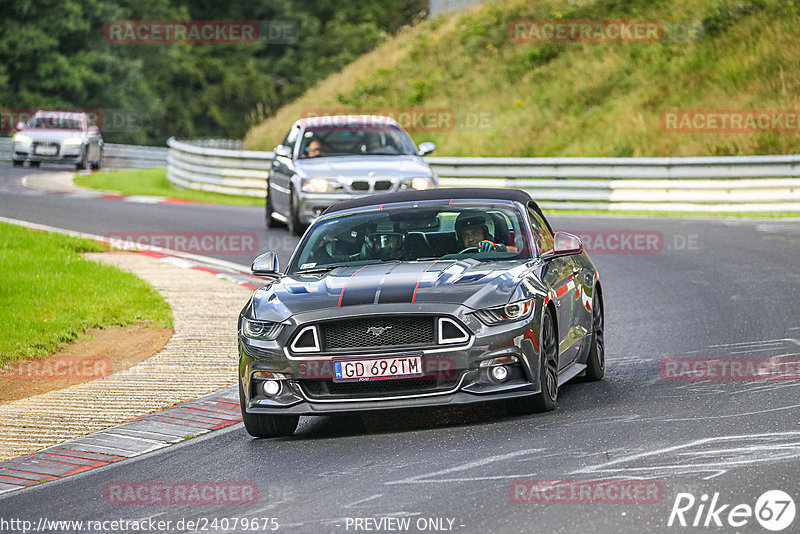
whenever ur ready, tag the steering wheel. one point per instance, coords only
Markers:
(469, 249)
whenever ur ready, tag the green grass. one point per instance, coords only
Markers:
(153, 182)
(49, 295)
(577, 99)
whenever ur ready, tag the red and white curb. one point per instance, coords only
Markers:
(144, 434)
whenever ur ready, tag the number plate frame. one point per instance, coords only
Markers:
(339, 369)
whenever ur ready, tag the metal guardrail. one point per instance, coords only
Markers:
(706, 184)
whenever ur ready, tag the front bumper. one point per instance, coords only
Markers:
(454, 374)
(65, 154)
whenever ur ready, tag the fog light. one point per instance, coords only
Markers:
(271, 388)
(500, 373)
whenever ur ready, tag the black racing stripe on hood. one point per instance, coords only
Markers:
(363, 285)
(401, 283)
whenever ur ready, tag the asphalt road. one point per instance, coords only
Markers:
(704, 288)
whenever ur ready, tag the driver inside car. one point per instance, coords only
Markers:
(384, 244)
(473, 232)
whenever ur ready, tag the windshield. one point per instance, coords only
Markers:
(359, 140)
(55, 121)
(481, 230)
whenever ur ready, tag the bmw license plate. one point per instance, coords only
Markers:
(45, 150)
(378, 369)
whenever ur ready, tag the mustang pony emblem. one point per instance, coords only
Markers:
(377, 330)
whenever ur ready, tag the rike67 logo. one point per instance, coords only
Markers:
(774, 510)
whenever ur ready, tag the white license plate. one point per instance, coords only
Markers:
(46, 150)
(378, 369)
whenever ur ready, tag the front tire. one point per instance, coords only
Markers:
(83, 163)
(18, 163)
(596, 363)
(96, 166)
(34, 163)
(266, 425)
(294, 217)
(548, 375)
(269, 210)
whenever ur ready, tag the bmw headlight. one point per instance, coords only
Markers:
(513, 311)
(420, 183)
(264, 330)
(320, 185)
(72, 141)
(21, 138)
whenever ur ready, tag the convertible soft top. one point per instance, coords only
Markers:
(482, 193)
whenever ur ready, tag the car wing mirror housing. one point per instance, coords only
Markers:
(566, 244)
(426, 148)
(283, 151)
(93, 129)
(266, 265)
(20, 126)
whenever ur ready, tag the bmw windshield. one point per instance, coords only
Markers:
(480, 230)
(356, 139)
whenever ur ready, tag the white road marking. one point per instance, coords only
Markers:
(420, 479)
(361, 501)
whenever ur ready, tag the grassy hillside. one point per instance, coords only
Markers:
(578, 99)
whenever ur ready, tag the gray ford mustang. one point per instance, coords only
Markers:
(415, 299)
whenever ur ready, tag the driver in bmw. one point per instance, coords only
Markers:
(473, 231)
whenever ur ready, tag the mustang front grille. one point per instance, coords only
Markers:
(374, 331)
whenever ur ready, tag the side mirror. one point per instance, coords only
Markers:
(93, 130)
(566, 244)
(426, 148)
(20, 126)
(266, 265)
(283, 151)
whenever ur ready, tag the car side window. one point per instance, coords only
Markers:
(542, 235)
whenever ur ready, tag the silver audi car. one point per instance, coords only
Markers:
(325, 160)
(58, 137)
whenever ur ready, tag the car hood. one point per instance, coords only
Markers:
(361, 166)
(469, 282)
(53, 135)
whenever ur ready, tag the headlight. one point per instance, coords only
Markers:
(321, 185)
(421, 182)
(72, 141)
(21, 138)
(265, 330)
(513, 311)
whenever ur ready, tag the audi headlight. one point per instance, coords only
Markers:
(320, 185)
(22, 138)
(72, 141)
(513, 311)
(264, 330)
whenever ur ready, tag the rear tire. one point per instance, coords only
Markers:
(548, 375)
(596, 363)
(266, 425)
